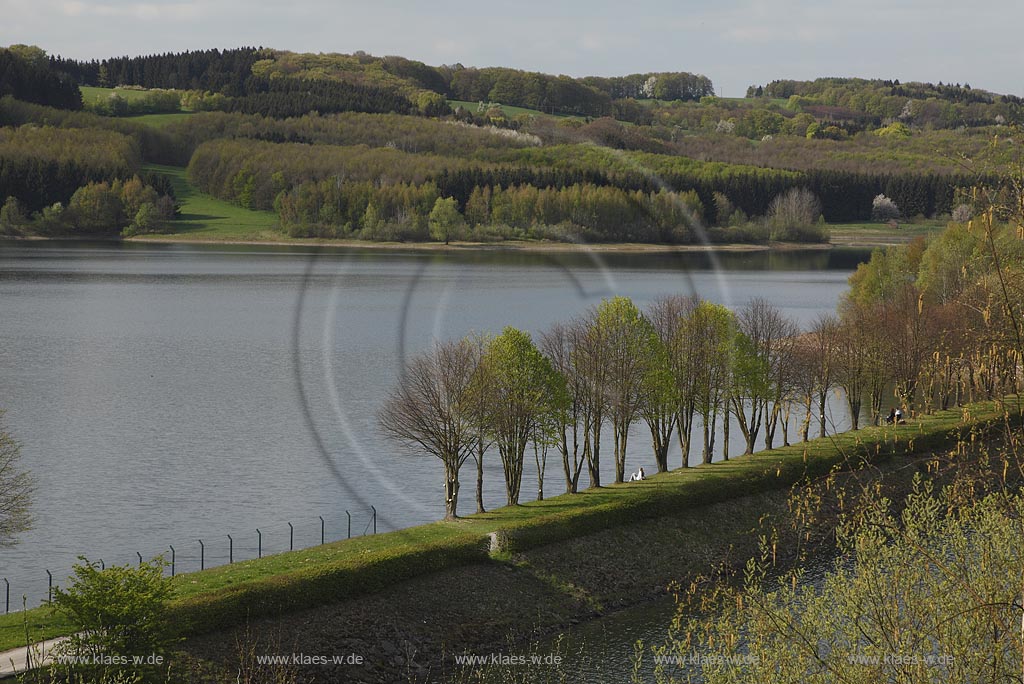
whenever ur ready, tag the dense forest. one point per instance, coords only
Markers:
(354, 145)
(25, 74)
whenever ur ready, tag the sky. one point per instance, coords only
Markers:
(735, 43)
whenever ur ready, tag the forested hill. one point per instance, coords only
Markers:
(360, 146)
(249, 72)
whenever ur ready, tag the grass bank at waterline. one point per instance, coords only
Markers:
(227, 596)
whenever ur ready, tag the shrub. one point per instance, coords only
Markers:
(794, 216)
(962, 214)
(120, 613)
(884, 209)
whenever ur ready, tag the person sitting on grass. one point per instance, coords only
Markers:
(638, 475)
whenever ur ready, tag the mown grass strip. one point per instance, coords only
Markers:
(229, 595)
(208, 218)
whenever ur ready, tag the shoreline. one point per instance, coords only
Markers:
(510, 246)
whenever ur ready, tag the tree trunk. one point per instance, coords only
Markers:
(661, 456)
(620, 431)
(854, 412)
(451, 491)
(540, 456)
(594, 461)
(785, 424)
(725, 436)
(685, 437)
(876, 404)
(513, 466)
(480, 477)
(661, 439)
(566, 468)
(806, 427)
(822, 398)
(771, 424)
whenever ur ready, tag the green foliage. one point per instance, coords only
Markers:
(119, 613)
(124, 102)
(12, 217)
(524, 393)
(445, 221)
(25, 73)
(881, 277)
(16, 489)
(147, 219)
(43, 165)
(951, 262)
(107, 208)
(896, 130)
(150, 143)
(930, 594)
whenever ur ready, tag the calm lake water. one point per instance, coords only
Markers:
(165, 394)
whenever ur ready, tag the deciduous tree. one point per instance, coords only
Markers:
(428, 408)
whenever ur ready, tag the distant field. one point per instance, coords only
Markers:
(781, 101)
(510, 111)
(159, 120)
(92, 93)
(206, 218)
(870, 234)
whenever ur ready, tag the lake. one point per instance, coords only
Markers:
(166, 394)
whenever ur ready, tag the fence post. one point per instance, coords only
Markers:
(374, 509)
(291, 537)
(49, 588)
(8, 610)
(259, 547)
(349, 524)
(140, 558)
(172, 561)
(231, 550)
(321, 530)
(202, 555)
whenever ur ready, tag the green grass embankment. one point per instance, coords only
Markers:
(204, 217)
(225, 596)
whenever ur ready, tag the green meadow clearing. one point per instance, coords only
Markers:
(207, 218)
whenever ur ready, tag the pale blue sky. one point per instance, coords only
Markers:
(734, 42)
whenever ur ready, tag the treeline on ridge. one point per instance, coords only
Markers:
(26, 75)
(231, 73)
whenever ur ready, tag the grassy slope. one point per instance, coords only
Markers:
(220, 597)
(207, 218)
(159, 120)
(511, 110)
(881, 233)
(93, 93)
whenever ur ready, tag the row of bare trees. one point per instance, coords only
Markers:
(680, 364)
